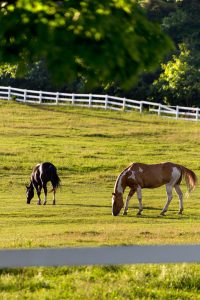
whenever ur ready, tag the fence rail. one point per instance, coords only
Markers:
(100, 256)
(98, 101)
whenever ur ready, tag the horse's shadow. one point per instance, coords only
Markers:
(84, 205)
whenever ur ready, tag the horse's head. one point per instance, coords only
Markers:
(29, 193)
(117, 203)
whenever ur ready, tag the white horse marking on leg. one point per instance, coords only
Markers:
(132, 191)
(180, 196)
(139, 195)
(169, 198)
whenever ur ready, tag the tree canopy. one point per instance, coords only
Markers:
(101, 41)
(179, 82)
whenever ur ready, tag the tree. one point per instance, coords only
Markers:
(179, 84)
(178, 81)
(102, 41)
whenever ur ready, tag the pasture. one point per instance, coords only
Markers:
(90, 148)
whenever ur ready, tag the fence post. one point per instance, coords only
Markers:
(159, 109)
(177, 112)
(57, 97)
(197, 114)
(141, 106)
(90, 100)
(25, 92)
(106, 101)
(73, 99)
(9, 93)
(124, 103)
(40, 97)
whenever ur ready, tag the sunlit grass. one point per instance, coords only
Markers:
(89, 149)
(109, 282)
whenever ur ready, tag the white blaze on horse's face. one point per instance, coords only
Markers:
(29, 194)
(117, 204)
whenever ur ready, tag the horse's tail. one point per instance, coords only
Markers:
(190, 179)
(55, 179)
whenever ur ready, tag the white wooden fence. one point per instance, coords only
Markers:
(98, 101)
(100, 255)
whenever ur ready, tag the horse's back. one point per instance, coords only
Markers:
(47, 169)
(154, 175)
(43, 171)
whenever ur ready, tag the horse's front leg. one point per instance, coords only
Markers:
(139, 195)
(38, 189)
(131, 193)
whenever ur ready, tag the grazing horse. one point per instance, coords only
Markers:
(41, 174)
(138, 176)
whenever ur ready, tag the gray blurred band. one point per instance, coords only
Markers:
(11, 258)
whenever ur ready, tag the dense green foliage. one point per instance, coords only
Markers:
(116, 50)
(179, 83)
(101, 41)
(90, 148)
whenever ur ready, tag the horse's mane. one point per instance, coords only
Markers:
(36, 167)
(118, 178)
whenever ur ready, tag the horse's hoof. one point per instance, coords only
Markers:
(180, 213)
(139, 214)
(39, 203)
(163, 214)
(125, 213)
(44, 203)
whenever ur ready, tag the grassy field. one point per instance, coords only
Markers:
(90, 148)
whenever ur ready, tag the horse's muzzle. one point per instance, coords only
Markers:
(115, 214)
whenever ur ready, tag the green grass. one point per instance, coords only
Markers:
(109, 282)
(90, 148)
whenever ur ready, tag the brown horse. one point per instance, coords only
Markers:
(138, 176)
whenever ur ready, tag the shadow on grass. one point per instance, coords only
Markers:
(87, 114)
(84, 205)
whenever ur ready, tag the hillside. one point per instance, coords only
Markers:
(90, 148)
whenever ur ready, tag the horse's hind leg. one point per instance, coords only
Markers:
(45, 194)
(54, 196)
(132, 191)
(139, 195)
(169, 199)
(180, 196)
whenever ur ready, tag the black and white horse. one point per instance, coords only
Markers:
(41, 174)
